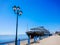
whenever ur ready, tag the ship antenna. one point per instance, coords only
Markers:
(27, 28)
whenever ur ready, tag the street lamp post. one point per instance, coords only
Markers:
(17, 11)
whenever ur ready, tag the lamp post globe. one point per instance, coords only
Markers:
(20, 13)
(14, 8)
(18, 8)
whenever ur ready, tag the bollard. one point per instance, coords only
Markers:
(29, 40)
(18, 42)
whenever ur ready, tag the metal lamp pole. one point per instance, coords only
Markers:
(18, 12)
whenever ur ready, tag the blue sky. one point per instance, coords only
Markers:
(35, 13)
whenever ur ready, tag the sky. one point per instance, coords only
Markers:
(35, 13)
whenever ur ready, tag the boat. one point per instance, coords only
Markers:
(37, 31)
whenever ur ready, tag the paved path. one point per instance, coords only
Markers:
(52, 40)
